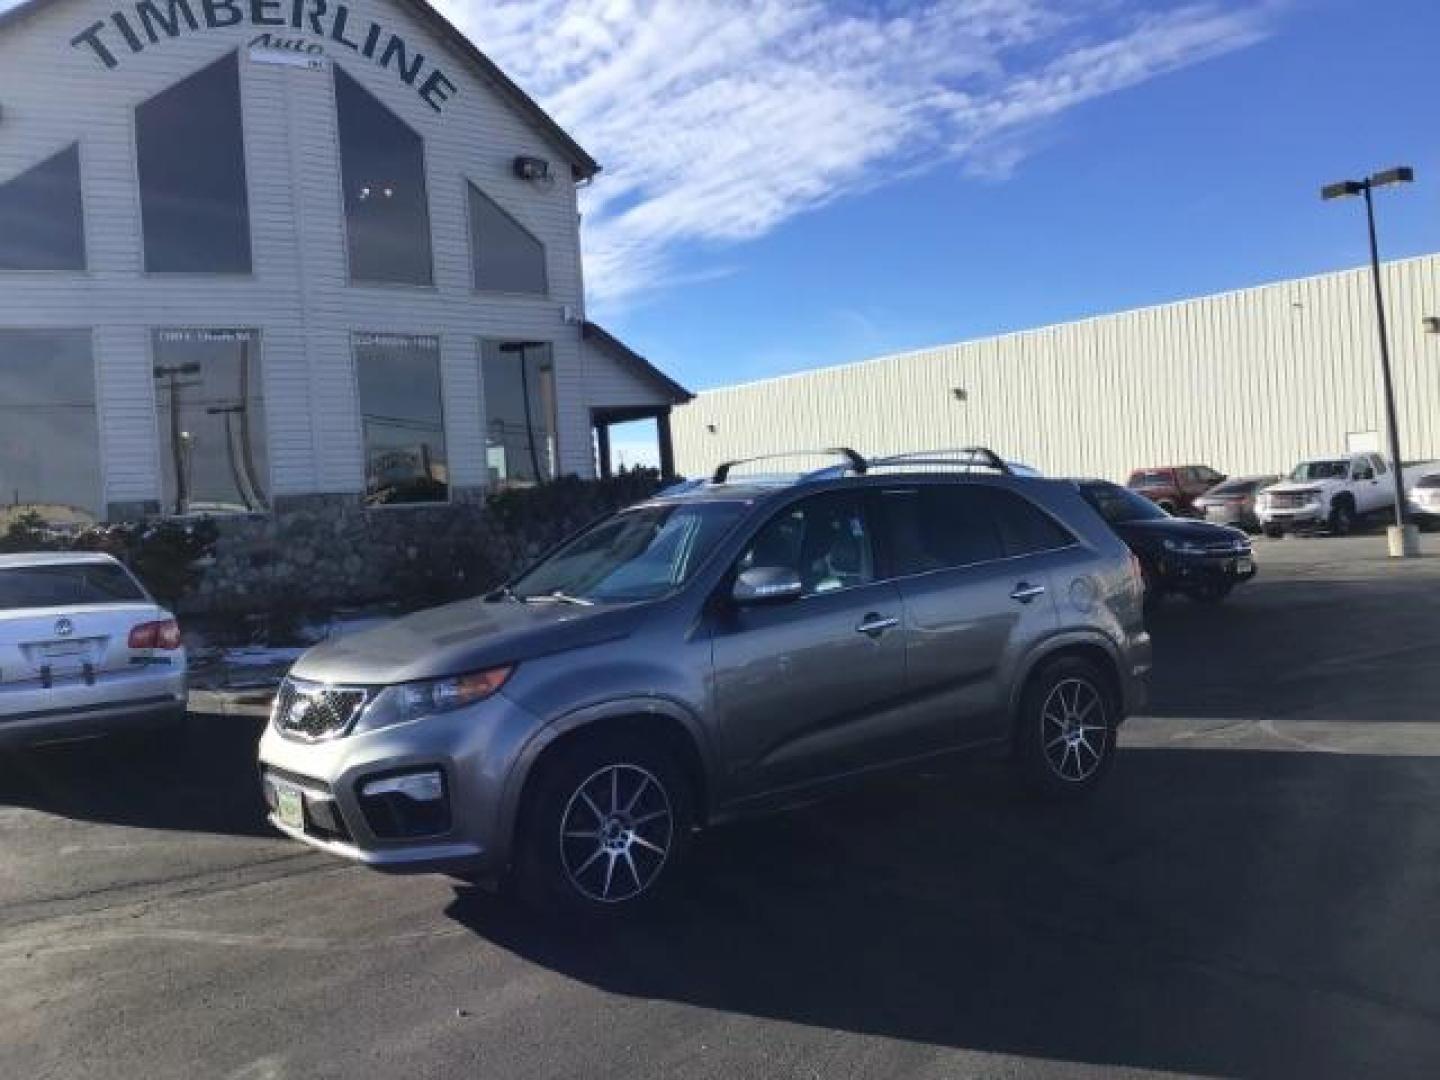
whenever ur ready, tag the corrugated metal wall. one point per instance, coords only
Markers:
(1247, 381)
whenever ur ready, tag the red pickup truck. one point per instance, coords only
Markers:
(1174, 487)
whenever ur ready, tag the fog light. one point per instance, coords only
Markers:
(421, 787)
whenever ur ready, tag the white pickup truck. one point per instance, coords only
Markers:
(1332, 493)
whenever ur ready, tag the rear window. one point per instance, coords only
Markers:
(1152, 478)
(63, 586)
(1431, 481)
(1235, 487)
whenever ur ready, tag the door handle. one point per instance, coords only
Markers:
(1025, 592)
(875, 625)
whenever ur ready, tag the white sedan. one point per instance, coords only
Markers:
(84, 650)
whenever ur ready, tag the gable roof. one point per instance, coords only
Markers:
(613, 347)
(582, 165)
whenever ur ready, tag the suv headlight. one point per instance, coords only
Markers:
(413, 701)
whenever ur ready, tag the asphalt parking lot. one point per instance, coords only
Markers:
(1256, 893)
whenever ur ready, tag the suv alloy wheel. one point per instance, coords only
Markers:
(1065, 734)
(606, 829)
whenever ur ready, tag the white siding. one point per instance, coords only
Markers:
(611, 385)
(298, 296)
(1247, 381)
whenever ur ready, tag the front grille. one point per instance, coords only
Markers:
(313, 711)
(1289, 500)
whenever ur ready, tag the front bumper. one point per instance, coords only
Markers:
(474, 749)
(1180, 572)
(1302, 517)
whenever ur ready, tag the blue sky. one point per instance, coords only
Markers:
(1054, 160)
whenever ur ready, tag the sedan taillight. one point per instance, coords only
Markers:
(162, 634)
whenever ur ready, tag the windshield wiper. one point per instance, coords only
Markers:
(557, 596)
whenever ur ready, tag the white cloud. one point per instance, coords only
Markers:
(717, 120)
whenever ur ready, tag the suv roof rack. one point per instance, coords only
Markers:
(854, 462)
(974, 457)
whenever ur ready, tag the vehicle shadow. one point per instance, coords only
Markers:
(1216, 912)
(203, 780)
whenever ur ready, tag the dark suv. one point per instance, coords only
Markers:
(714, 652)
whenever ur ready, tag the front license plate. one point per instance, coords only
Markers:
(1244, 565)
(290, 807)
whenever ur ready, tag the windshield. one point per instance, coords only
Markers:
(1116, 504)
(67, 585)
(1320, 470)
(636, 555)
(1235, 487)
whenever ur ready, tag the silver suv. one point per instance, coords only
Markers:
(716, 651)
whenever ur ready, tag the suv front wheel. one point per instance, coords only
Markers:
(607, 828)
(1065, 734)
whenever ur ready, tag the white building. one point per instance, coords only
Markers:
(1248, 382)
(259, 251)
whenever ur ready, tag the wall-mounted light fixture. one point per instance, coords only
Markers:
(710, 428)
(959, 393)
(1432, 324)
(534, 169)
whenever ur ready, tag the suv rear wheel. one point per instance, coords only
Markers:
(607, 828)
(1065, 735)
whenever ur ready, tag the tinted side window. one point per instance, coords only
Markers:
(191, 152)
(382, 165)
(935, 527)
(41, 222)
(402, 418)
(1024, 528)
(825, 539)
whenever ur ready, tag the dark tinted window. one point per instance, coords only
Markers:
(61, 586)
(518, 379)
(42, 226)
(382, 164)
(191, 152)
(1117, 505)
(1152, 478)
(404, 424)
(1235, 487)
(938, 526)
(825, 539)
(212, 420)
(507, 257)
(1432, 481)
(49, 440)
(1024, 528)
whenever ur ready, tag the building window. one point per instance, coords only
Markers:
(212, 420)
(520, 418)
(42, 225)
(49, 438)
(402, 417)
(506, 257)
(191, 152)
(382, 165)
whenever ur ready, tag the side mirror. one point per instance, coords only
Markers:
(767, 585)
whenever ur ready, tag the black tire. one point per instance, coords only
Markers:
(1050, 752)
(1342, 517)
(1272, 532)
(616, 872)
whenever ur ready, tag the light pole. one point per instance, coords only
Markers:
(1403, 538)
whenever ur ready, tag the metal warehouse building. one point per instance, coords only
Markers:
(262, 252)
(1247, 381)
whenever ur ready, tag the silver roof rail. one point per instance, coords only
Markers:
(974, 457)
(853, 461)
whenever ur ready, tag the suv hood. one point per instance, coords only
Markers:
(470, 635)
(1154, 532)
(1305, 485)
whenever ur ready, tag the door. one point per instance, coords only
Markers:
(814, 686)
(1367, 476)
(972, 565)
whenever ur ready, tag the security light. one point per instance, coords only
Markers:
(1343, 190)
(1401, 174)
(1432, 324)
